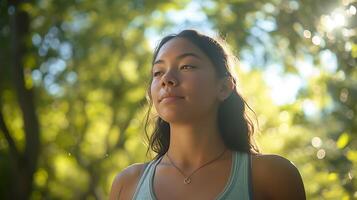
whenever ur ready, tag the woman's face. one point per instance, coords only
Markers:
(185, 87)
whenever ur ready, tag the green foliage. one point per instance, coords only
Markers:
(88, 64)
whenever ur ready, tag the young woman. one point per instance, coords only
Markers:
(203, 136)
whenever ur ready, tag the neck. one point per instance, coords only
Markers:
(192, 145)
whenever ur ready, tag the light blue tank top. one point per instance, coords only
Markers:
(238, 186)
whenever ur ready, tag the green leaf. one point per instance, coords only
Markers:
(343, 140)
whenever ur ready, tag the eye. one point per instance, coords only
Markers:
(187, 67)
(157, 73)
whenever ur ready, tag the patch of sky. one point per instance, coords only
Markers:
(36, 76)
(50, 40)
(54, 89)
(71, 77)
(267, 25)
(209, 4)
(55, 44)
(328, 61)
(44, 67)
(65, 50)
(283, 87)
(246, 59)
(36, 39)
(261, 47)
(51, 86)
(192, 17)
(56, 66)
(49, 71)
(53, 66)
(153, 36)
(256, 55)
(193, 12)
(42, 51)
(309, 108)
(80, 21)
(260, 33)
(48, 80)
(305, 67)
(53, 32)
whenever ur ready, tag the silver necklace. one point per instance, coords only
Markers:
(187, 179)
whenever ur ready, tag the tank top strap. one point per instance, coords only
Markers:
(143, 187)
(238, 188)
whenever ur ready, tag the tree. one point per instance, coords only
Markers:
(72, 95)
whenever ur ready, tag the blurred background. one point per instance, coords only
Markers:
(73, 77)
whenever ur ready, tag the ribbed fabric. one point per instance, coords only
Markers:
(238, 186)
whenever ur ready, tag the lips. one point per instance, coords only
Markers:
(170, 98)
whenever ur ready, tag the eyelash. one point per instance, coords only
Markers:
(156, 73)
(182, 67)
(187, 66)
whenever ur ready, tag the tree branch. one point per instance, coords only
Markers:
(12, 146)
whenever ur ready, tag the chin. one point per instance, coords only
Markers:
(174, 117)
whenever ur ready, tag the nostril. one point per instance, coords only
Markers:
(169, 81)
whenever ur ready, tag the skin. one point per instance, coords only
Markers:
(194, 136)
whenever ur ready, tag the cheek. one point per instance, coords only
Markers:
(203, 87)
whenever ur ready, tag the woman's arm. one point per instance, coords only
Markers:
(124, 184)
(117, 186)
(278, 178)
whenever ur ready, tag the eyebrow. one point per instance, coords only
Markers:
(180, 57)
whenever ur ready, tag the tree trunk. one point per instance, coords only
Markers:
(25, 163)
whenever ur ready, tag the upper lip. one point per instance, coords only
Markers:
(166, 95)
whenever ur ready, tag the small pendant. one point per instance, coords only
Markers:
(187, 180)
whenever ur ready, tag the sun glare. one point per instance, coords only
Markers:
(335, 20)
(338, 18)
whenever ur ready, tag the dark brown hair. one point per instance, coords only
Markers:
(235, 126)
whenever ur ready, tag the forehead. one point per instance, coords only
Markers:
(178, 46)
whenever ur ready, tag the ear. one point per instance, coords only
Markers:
(226, 88)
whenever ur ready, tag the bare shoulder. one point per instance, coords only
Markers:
(124, 184)
(277, 177)
(272, 160)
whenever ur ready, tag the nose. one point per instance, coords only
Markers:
(169, 79)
